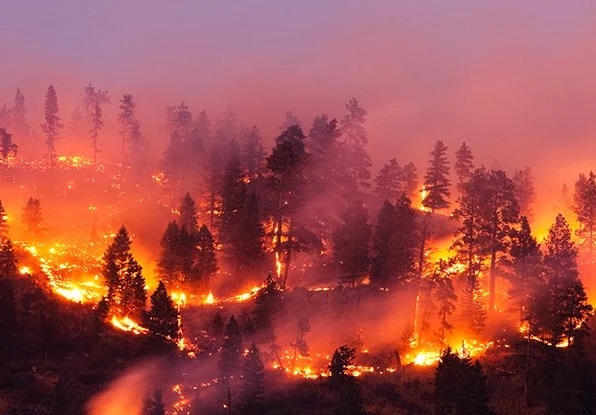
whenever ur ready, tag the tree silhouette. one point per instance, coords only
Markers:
(253, 382)
(436, 179)
(32, 216)
(52, 126)
(350, 242)
(162, 318)
(7, 147)
(153, 404)
(464, 165)
(460, 386)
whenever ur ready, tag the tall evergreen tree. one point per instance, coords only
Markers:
(410, 180)
(584, 207)
(3, 223)
(253, 382)
(525, 193)
(123, 275)
(351, 240)
(162, 318)
(472, 311)
(188, 215)
(32, 216)
(464, 165)
(207, 259)
(460, 386)
(355, 139)
(563, 308)
(169, 263)
(436, 179)
(286, 166)
(18, 116)
(253, 153)
(230, 358)
(126, 122)
(52, 126)
(7, 147)
(388, 181)
(96, 126)
(445, 296)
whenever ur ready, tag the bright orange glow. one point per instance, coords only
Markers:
(127, 324)
(210, 299)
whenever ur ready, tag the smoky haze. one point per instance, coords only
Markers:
(513, 80)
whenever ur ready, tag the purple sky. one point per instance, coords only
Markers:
(497, 74)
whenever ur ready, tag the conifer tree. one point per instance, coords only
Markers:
(8, 274)
(7, 147)
(253, 154)
(96, 126)
(472, 311)
(464, 165)
(562, 309)
(162, 318)
(409, 180)
(289, 120)
(18, 120)
(52, 126)
(525, 193)
(436, 179)
(32, 215)
(342, 358)
(126, 119)
(3, 223)
(268, 305)
(351, 241)
(388, 181)
(188, 215)
(169, 263)
(584, 207)
(460, 386)
(355, 139)
(253, 382)
(382, 247)
(444, 294)
(230, 357)
(123, 275)
(207, 259)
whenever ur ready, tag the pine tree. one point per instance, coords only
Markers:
(162, 318)
(464, 165)
(8, 304)
(460, 386)
(7, 147)
(32, 216)
(19, 125)
(268, 305)
(409, 180)
(188, 215)
(355, 139)
(126, 120)
(169, 263)
(123, 276)
(230, 357)
(247, 250)
(207, 259)
(584, 207)
(3, 223)
(445, 297)
(388, 181)
(472, 312)
(286, 166)
(382, 247)
(153, 404)
(52, 126)
(525, 193)
(253, 153)
(253, 382)
(436, 179)
(350, 242)
(342, 358)
(96, 126)
(565, 307)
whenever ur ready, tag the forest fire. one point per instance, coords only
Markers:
(127, 324)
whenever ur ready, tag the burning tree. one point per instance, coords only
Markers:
(52, 126)
(3, 223)
(124, 278)
(286, 163)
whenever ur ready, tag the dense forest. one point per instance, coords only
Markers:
(224, 275)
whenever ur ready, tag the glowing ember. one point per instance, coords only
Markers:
(25, 270)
